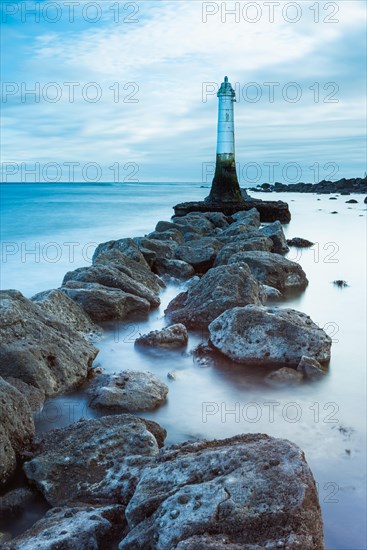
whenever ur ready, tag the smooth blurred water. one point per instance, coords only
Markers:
(326, 419)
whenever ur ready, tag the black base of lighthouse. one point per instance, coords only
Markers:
(225, 186)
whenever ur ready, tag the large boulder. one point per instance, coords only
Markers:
(38, 348)
(174, 268)
(79, 527)
(104, 303)
(221, 288)
(269, 336)
(251, 217)
(200, 253)
(275, 232)
(16, 429)
(66, 310)
(171, 234)
(242, 245)
(127, 391)
(34, 396)
(174, 336)
(273, 269)
(112, 277)
(160, 248)
(139, 272)
(94, 460)
(247, 492)
(195, 220)
(126, 246)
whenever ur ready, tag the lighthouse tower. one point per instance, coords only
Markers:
(225, 186)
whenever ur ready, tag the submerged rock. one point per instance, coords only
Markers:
(268, 336)
(14, 502)
(310, 368)
(250, 491)
(104, 303)
(16, 429)
(284, 377)
(127, 391)
(275, 232)
(221, 288)
(94, 460)
(273, 269)
(80, 527)
(174, 336)
(39, 349)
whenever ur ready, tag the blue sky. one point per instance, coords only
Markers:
(162, 55)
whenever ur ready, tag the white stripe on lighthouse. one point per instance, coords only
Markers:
(225, 136)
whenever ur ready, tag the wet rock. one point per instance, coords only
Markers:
(112, 277)
(161, 249)
(275, 232)
(310, 368)
(195, 220)
(340, 283)
(172, 375)
(298, 242)
(221, 288)
(55, 302)
(14, 502)
(243, 225)
(365, 200)
(39, 349)
(16, 429)
(284, 377)
(251, 491)
(126, 246)
(352, 201)
(251, 217)
(80, 527)
(273, 269)
(174, 336)
(137, 271)
(204, 355)
(171, 234)
(94, 461)
(105, 303)
(272, 293)
(333, 198)
(127, 391)
(334, 212)
(218, 219)
(268, 336)
(242, 245)
(174, 268)
(34, 396)
(200, 253)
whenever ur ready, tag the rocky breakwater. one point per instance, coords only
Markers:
(110, 481)
(343, 186)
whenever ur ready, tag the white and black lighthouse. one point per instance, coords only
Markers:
(225, 186)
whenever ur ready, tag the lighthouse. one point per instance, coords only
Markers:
(225, 186)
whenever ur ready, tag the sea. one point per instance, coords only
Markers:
(49, 229)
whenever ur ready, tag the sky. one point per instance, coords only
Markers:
(126, 91)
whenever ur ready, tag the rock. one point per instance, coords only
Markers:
(252, 217)
(365, 200)
(204, 355)
(161, 249)
(172, 375)
(251, 491)
(127, 391)
(218, 219)
(195, 220)
(16, 429)
(310, 368)
(242, 245)
(34, 396)
(174, 336)
(82, 527)
(137, 271)
(14, 502)
(39, 349)
(268, 336)
(126, 246)
(275, 232)
(340, 283)
(199, 253)
(174, 268)
(171, 234)
(241, 227)
(272, 293)
(352, 201)
(284, 377)
(56, 303)
(299, 242)
(94, 460)
(221, 288)
(105, 303)
(333, 198)
(273, 269)
(335, 212)
(112, 277)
